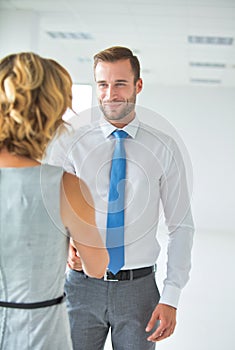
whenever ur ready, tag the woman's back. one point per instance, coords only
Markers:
(33, 254)
(35, 93)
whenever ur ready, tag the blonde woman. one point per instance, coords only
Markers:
(37, 203)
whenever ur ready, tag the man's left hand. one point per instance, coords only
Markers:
(166, 314)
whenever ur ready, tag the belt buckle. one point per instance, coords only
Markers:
(106, 277)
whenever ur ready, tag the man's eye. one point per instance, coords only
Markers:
(102, 85)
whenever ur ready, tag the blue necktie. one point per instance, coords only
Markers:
(115, 219)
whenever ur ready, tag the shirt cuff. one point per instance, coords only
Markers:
(170, 296)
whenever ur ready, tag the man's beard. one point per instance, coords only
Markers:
(118, 110)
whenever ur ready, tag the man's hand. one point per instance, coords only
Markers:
(166, 314)
(74, 261)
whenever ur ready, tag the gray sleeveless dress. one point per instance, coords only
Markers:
(33, 254)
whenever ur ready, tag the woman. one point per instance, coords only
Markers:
(37, 203)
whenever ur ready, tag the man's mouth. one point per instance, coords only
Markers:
(113, 105)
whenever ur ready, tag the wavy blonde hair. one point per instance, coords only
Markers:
(34, 94)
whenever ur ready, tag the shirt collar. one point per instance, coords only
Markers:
(131, 128)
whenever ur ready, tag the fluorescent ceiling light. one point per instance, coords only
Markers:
(210, 40)
(70, 35)
(207, 65)
(205, 81)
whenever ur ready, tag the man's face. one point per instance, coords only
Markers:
(116, 90)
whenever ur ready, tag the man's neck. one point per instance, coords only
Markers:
(120, 124)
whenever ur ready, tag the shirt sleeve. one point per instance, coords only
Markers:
(176, 204)
(58, 152)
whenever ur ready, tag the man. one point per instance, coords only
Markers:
(127, 301)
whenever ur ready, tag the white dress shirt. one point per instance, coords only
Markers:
(154, 172)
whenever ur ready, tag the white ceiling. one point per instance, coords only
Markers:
(157, 31)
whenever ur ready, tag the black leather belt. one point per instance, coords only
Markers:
(127, 275)
(33, 305)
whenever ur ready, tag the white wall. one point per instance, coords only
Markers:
(19, 31)
(204, 118)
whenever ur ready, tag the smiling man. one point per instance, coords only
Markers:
(150, 171)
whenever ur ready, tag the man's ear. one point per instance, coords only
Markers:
(139, 85)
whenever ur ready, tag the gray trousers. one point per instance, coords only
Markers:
(96, 305)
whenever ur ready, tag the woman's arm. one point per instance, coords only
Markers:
(78, 216)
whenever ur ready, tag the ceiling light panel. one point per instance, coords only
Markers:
(207, 65)
(210, 40)
(70, 35)
(205, 81)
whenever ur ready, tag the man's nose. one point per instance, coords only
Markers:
(110, 92)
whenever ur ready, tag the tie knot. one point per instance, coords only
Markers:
(120, 134)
